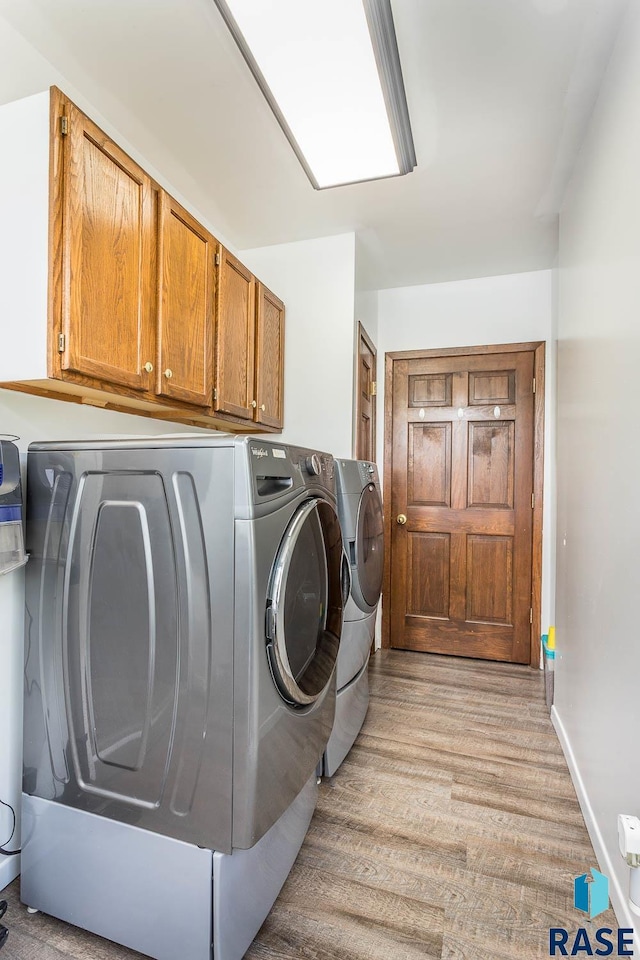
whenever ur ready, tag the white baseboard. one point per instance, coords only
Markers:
(9, 870)
(617, 895)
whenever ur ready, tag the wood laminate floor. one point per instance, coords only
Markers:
(451, 831)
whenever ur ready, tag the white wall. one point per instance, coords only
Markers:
(25, 72)
(367, 312)
(597, 707)
(516, 308)
(316, 280)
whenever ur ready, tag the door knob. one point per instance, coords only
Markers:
(168, 374)
(262, 406)
(401, 519)
(148, 367)
(254, 404)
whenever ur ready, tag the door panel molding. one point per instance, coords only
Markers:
(483, 411)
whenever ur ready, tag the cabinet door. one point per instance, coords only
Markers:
(108, 259)
(269, 358)
(235, 339)
(186, 256)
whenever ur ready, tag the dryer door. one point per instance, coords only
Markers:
(304, 607)
(370, 545)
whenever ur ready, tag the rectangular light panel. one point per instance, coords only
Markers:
(317, 60)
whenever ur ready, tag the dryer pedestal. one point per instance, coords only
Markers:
(352, 698)
(355, 646)
(352, 703)
(152, 893)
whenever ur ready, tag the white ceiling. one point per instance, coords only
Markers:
(499, 93)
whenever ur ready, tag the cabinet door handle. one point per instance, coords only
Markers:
(148, 367)
(168, 374)
(254, 404)
(262, 406)
(401, 519)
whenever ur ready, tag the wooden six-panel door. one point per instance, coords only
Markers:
(462, 488)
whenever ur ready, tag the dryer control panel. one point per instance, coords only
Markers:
(368, 472)
(353, 470)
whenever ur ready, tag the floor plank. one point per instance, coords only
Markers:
(452, 831)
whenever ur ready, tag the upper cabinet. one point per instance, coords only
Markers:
(269, 358)
(235, 339)
(107, 238)
(249, 347)
(118, 296)
(186, 291)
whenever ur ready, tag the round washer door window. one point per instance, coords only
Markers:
(370, 545)
(304, 608)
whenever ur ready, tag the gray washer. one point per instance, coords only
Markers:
(183, 624)
(360, 511)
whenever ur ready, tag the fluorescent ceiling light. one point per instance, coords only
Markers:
(331, 73)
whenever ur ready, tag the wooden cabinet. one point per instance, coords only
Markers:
(119, 297)
(235, 339)
(249, 347)
(269, 358)
(186, 289)
(107, 239)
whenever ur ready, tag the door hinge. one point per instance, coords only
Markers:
(215, 394)
(533, 500)
(217, 259)
(534, 384)
(530, 614)
(64, 126)
(62, 343)
(374, 388)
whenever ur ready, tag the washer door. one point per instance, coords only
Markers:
(304, 607)
(370, 545)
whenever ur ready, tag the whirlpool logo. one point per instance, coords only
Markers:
(591, 896)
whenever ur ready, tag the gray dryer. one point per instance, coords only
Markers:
(360, 511)
(184, 611)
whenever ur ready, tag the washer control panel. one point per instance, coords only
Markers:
(278, 469)
(312, 465)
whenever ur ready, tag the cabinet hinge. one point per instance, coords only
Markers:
(64, 126)
(217, 259)
(62, 343)
(533, 500)
(374, 388)
(534, 384)
(530, 614)
(215, 394)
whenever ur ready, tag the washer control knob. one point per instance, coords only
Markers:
(312, 465)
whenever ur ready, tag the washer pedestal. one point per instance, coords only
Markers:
(160, 896)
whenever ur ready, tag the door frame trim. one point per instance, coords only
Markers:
(361, 334)
(537, 347)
